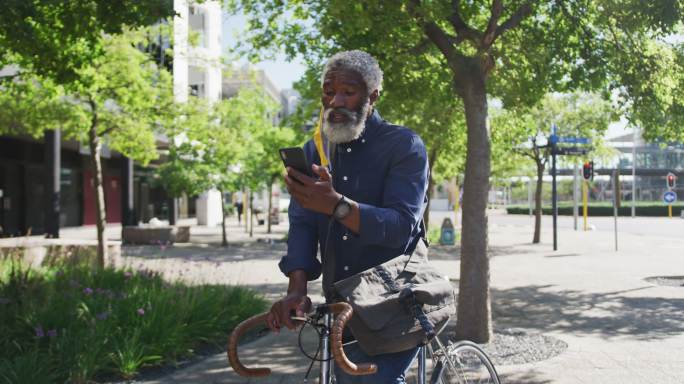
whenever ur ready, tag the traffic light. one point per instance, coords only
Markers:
(670, 180)
(588, 170)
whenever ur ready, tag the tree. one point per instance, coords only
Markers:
(577, 114)
(271, 141)
(516, 51)
(118, 100)
(58, 39)
(210, 142)
(64, 44)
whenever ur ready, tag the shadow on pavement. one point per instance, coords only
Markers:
(193, 252)
(605, 315)
(528, 377)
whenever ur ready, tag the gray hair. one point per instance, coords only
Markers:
(358, 61)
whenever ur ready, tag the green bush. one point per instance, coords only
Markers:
(604, 209)
(74, 324)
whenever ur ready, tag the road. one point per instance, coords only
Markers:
(640, 226)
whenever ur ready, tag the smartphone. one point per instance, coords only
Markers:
(295, 157)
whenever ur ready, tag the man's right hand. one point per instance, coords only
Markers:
(294, 303)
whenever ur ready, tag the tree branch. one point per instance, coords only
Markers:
(522, 12)
(463, 30)
(490, 32)
(444, 42)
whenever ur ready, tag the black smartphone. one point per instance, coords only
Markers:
(295, 157)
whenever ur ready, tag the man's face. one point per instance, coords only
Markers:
(346, 105)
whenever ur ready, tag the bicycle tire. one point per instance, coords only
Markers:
(473, 366)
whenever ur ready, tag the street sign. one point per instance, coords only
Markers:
(553, 139)
(572, 151)
(573, 140)
(669, 197)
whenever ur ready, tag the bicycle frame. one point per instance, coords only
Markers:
(330, 346)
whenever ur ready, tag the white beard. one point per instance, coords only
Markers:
(349, 130)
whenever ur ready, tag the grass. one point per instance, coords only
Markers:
(73, 324)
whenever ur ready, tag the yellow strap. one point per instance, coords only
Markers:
(318, 140)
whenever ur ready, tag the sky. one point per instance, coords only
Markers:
(281, 72)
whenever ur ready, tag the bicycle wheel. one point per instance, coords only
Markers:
(469, 365)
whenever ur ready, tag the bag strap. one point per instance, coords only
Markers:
(328, 252)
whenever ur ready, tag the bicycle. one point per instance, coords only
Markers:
(461, 362)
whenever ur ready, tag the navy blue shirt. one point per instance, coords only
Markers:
(385, 171)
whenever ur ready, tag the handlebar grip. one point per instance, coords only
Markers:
(232, 347)
(344, 312)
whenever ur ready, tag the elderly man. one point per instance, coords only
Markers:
(374, 194)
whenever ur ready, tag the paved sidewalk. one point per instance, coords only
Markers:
(618, 327)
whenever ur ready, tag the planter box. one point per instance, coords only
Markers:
(40, 252)
(155, 234)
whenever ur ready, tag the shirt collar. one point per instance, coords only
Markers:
(371, 129)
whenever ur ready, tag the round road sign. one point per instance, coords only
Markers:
(669, 197)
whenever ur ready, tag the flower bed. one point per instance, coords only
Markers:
(74, 324)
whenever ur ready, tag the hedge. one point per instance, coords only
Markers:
(651, 209)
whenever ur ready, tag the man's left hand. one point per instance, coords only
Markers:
(316, 195)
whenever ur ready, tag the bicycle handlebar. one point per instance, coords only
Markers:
(343, 312)
(232, 347)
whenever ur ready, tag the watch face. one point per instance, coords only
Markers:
(342, 209)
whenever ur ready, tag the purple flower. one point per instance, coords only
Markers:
(102, 316)
(141, 311)
(39, 331)
(52, 333)
(88, 291)
(128, 275)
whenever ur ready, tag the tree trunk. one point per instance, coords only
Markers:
(431, 185)
(95, 144)
(538, 202)
(251, 213)
(245, 208)
(270, 204)
(474, 306)
(224, 239)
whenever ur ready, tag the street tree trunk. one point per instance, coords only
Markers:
(538, 201)
(245, 207)
(474, 306)
(251, 213)
(95, 143)
(270, 204)
(224, 239)
(431, 186)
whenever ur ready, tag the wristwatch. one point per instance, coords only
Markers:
(342, 209)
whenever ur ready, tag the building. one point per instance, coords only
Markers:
(197, 72)
(248, 77)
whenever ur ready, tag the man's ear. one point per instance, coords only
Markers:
(373, 97)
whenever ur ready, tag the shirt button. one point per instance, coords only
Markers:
(348, 150)
(346, 267)
(344, 178)
(345, 237)
(363, 140)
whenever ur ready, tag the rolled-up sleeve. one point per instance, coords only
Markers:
(302, 242)
(392, 222)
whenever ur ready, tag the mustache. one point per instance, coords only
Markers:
(345, 111)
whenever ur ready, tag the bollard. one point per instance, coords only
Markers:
(447, 234)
